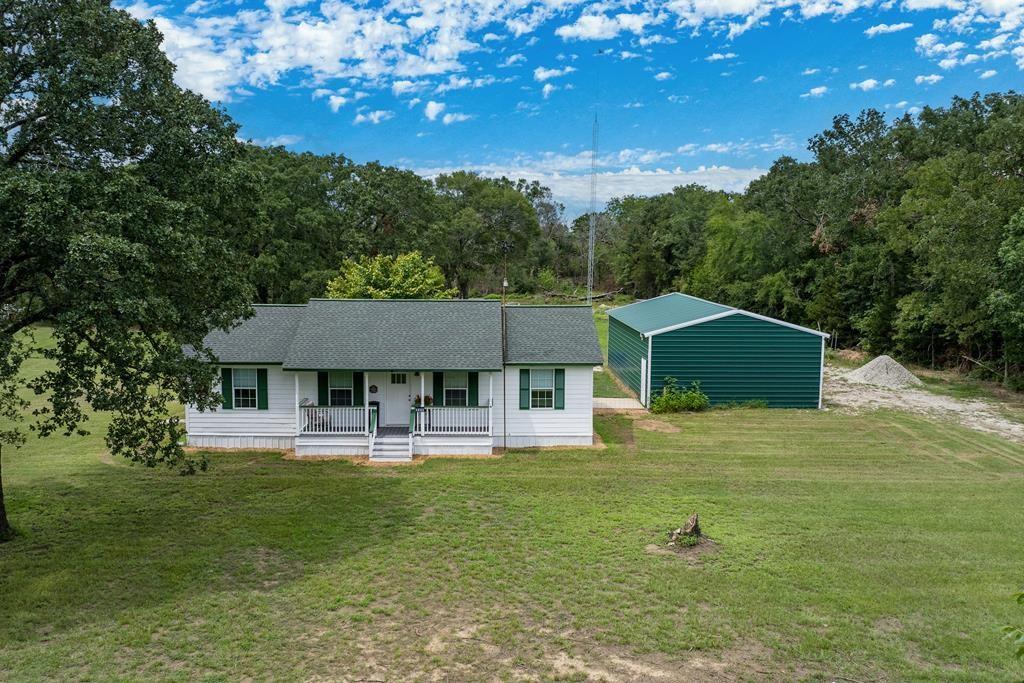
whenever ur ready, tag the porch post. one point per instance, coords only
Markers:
(366, 402)
(490, 402)
(423, 398)
(298, 411)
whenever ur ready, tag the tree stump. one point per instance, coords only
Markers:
(686, 535)
(692, 526)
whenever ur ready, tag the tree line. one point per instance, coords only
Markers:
(308, 213)
(902, 237)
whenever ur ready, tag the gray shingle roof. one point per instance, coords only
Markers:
(263, 338)
(551, 334)
(454, 334)
(398, 335)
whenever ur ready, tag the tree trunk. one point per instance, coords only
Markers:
(6, 532)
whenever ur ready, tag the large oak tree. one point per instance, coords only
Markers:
(119, 203)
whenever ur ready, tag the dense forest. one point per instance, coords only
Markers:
(902, 236)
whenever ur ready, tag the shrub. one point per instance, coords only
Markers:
(673, 400)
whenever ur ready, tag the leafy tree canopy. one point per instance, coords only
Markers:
(118, 198)
(406, 276)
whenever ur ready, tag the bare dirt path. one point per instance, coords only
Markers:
(984, 416)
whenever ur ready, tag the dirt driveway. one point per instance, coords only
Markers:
(984, 416)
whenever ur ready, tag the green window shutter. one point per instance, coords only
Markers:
(323, 395)
(357, 388)
(474, 389)
(438, 388)
(559, 389)
(225, 389)
(524, 389)
(261, 389)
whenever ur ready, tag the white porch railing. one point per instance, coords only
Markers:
(334, 420)
(451, 420)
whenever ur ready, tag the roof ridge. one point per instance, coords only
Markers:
(475, 300)
(548, 306)
(279, 305)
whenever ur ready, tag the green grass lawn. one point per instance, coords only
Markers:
(872, 547)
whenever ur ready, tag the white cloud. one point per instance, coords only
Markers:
(871, 83)
(604, 27)
(278, 140)
(373, 117)
(512, 60)
(336, 102)
(455, 118)
(865, 85)
(929, 45)
(626, 54)
(663, 76)
(880, 29)
(548, 89)
(927, 80)
(542, 74)
(809, 72)
(719, 56)
(818, 91)
(432, 109)
(997, 42)
(404, 86)
(460, 82)
(740, 147)
(378, 44)
(197, 7)
(760, 79)
(988, 74)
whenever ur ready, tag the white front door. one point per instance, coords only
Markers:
(397, 399)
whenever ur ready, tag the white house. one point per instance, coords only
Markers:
(395, 378)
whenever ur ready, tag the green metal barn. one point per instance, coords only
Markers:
(736, 355)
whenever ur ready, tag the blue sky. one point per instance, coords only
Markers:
(707, 91)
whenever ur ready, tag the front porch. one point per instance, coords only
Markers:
(364, 420)
(395, 413)
(354, 430)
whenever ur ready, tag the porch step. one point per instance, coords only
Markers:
(391, 449)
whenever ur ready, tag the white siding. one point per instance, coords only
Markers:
(275, 427)
(278, 420)
(573, 426)
(270, 443)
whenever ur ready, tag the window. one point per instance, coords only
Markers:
(339, 388)
(542, 388)
(243, 381)
(399, 378)
(456, 388)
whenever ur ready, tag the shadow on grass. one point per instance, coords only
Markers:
(128, 538)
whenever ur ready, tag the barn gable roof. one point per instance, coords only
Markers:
(675, 311)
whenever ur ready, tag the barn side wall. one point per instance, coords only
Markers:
(739, 358)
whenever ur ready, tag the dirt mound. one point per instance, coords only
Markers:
(884, 372)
